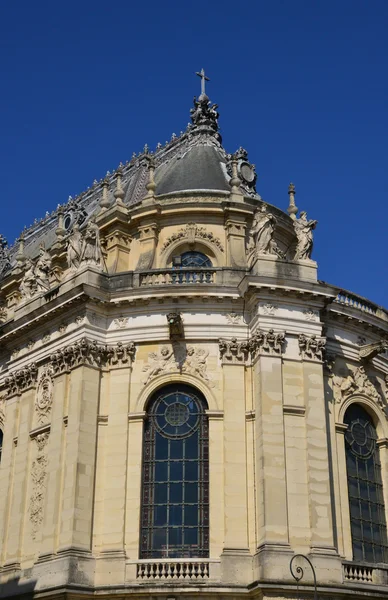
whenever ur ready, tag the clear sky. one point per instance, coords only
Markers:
(301, 84)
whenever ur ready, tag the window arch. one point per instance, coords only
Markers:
(365, 488)
(175, 475)
(192, 258)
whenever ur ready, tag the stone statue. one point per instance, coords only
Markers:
(262, 231)
(42, 270)
(91, 246)
(74, 247)
(28, 286)
(303, 229)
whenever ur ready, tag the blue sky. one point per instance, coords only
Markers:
(301, 84)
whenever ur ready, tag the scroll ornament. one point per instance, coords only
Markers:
(190, 233)
(44, 394)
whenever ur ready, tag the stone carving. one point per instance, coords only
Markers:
(62, 328)
(28, 287)
(5, 263)
(177, 358)
(80, 319)
(158, 362)
(196, 363)
(267, 342)
(46, 338)
(89, 352)
(355, 382)
(369, 351)
(42, 270)
(304, 233)
(262, 231)
(39, 477)
(204, 114)
(44, 394)
(21, 380)
(233, 318)
(3, 314)
(121, 322)
(386, 387)
(311, 347)
(310, 315)
(269, 309)
(233, 351)
(192, 232)
(2, 410)
(91, 246)
(74, 247)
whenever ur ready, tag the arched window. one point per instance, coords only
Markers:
(175, 492)
(366, 501)
(192, 259)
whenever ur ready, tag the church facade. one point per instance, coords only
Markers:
(185, 409)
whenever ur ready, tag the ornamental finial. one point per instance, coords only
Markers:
(292, 208)
(203, 77)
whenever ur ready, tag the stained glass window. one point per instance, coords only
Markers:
(195, 259)
(175, 492)
(366, 501)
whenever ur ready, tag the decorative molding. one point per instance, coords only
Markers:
(268, 309)
(355, 382)
(190, 233)
(311, 348)
(44, 393)
(267, 343)
(233, 352)
(298, 411)
(121, 322)
(89, 352)
(21, 380)
(102, 419)
(181, 358)
(311, 315)
(233, 318)
(39, 477)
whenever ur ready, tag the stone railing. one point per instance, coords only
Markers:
(193, 569)
(353, 301)
(355, 572)
(177, 277)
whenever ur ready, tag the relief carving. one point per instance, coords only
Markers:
(39, 477)
(21, 380)
(121, 322)
(233, 318)
(267, 342)
(44, 394)
(311, 347)
(192, 232)
(89, 352)
(233, 352)
(269, 309)
(355, 382)
(178, 358)
(310, 315)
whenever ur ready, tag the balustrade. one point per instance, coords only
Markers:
(167, 569)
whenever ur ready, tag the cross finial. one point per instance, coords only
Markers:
(203, 77)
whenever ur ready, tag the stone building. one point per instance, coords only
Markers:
(184, 406)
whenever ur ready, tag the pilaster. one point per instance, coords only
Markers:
(148, 240)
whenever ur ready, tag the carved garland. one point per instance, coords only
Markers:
(39, 477)
(191, 232)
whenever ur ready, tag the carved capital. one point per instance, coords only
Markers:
(267, 343)
(88, 352)
(233, 352)
(311, 347)
(21, 380)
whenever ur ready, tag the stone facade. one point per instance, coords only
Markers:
(275, 353)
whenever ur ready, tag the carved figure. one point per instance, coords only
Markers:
(159, 362)
(303, 230)
(91, 246)
(196, 362)
(74, 248)
(42, 270)
(233, 351)
(356, 381)
(28, 287)
(262, 231)
(311, 347)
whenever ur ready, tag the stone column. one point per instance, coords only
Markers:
(80, 455)
(322, 539)
(236, 559)
(55, 470)
(7, 470)
(21, 471)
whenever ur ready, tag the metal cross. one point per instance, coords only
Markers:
(203, 77)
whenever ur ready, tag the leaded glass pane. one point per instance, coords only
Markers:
(175, 506)
(366, 504)
(195, 259)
